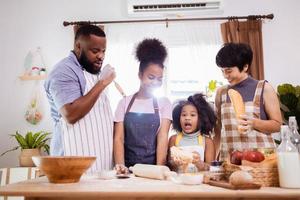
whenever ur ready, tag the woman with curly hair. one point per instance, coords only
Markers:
(142, 121)
(193, 120)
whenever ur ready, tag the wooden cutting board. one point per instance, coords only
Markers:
(227, 185)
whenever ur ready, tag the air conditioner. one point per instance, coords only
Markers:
(173, 8)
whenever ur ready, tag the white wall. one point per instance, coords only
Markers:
(280, 36)
(24, 25)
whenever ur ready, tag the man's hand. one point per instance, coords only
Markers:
(107, 74)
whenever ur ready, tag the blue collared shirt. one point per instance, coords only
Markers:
(65, 84)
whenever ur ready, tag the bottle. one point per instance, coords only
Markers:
(295, 137)
(288, 161)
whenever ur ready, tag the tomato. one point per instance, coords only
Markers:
(253, 156)
(236, 157)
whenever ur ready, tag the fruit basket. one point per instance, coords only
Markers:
(264, 173)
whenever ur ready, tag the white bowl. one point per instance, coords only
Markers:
(188, 178)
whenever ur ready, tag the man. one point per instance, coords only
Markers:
(262, 116)
(76, 91)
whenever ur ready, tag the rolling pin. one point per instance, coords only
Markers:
(151, 171)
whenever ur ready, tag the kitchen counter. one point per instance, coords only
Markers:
(92, 188)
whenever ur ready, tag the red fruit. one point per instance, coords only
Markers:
(253, 156)
(236, 157)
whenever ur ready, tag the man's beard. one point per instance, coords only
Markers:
(87, 65)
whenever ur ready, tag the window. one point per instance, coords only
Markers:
(190, 68)
(192, 47)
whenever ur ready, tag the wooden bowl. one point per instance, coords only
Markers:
(63, 169)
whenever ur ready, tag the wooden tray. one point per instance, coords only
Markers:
(227, 185)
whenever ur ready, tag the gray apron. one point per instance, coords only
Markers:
(141, 135)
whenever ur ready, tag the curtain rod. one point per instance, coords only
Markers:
(250, 17)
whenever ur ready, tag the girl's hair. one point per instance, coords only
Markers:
(206, 115)
(150, 51)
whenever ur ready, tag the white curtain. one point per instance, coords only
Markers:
(192, 47)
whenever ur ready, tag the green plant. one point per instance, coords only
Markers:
(289, 96)
(31, 141)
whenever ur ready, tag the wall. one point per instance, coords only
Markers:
(31, 23)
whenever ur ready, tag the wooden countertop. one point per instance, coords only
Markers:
(136, 188)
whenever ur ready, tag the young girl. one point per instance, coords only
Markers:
(193, 120)
(142, 121)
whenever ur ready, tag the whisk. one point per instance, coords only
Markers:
(117, 85)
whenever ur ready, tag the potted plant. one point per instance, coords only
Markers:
(289, 96)
(31, 145)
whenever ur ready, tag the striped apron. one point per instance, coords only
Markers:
(230, 138)
(92, 135)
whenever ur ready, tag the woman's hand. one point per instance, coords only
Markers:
(245, 124)
(121, 169)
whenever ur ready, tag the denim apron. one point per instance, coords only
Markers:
(140, 135)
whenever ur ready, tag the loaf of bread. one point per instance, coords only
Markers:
(237, 101)
(238, 105)
(240, 178)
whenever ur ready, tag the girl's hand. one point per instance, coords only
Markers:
(178, 162)
(196, 157)
(201, 165)
(121, 169)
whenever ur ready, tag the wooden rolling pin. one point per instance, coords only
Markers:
(151, 171)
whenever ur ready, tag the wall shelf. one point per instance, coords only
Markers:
(33, 77)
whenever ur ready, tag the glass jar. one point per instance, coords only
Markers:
(216, 166)
(288, 161)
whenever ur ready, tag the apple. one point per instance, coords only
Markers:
(253, 156)
(236, 157)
